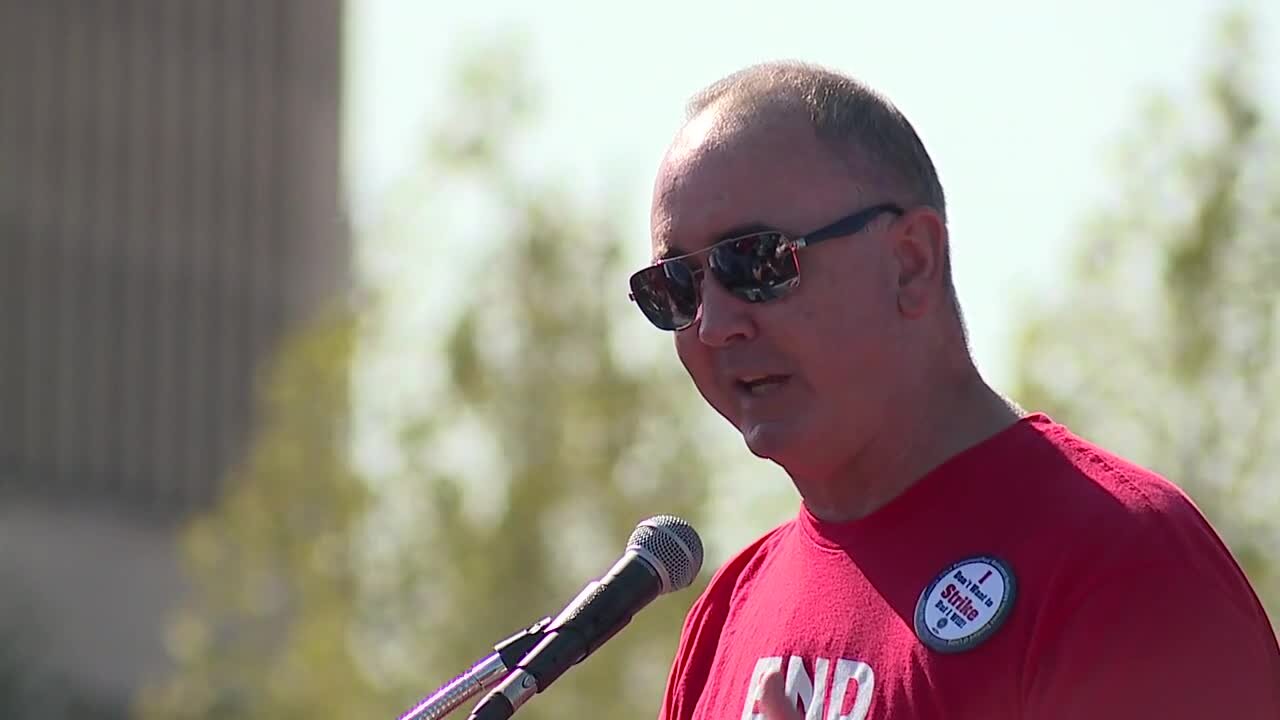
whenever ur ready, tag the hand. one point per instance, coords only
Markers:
(773, 699)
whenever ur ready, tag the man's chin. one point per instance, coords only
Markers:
(769, 440)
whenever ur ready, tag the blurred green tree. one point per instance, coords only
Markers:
(579, 438)
(275, 574)
(326, 590)
(1166, 345)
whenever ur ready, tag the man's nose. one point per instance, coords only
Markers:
(724, 318)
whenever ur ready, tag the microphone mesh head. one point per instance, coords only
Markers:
(674, 543)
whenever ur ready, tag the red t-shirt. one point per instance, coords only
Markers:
(1033, 576)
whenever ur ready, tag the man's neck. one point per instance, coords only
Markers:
(959, 414)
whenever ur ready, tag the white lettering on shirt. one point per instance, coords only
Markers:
(810, 692)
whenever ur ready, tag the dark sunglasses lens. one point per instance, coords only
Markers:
(756, 268)
(667, 294)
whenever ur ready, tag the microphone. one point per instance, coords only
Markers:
(663, 554)
(481, 676)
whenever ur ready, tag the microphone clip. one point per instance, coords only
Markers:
(513, 649)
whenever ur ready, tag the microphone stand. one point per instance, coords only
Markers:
(483, 675)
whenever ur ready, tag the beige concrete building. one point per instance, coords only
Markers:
(169, 205)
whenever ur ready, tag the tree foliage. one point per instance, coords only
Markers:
(1166, 344)
(578, 445)
(275, 576)
(326, 590)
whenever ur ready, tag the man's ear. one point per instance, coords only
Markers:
(920, 248)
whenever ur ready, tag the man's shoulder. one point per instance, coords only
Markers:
(743, 564)
(1111, 519)
(700, 634)
(1102, 535)
(1124, 566)
(713, 602)
(1095, 488)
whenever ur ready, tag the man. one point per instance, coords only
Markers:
(954, 556)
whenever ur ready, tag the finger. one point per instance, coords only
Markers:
(773, 698)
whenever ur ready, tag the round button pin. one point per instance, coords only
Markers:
(965, 604)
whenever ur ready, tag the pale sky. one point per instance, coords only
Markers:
(1017, 101)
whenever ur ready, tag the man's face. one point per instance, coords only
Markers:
(830, 352)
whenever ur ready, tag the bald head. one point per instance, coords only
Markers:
(859, 124)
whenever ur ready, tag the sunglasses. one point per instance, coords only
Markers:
(755, 268)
